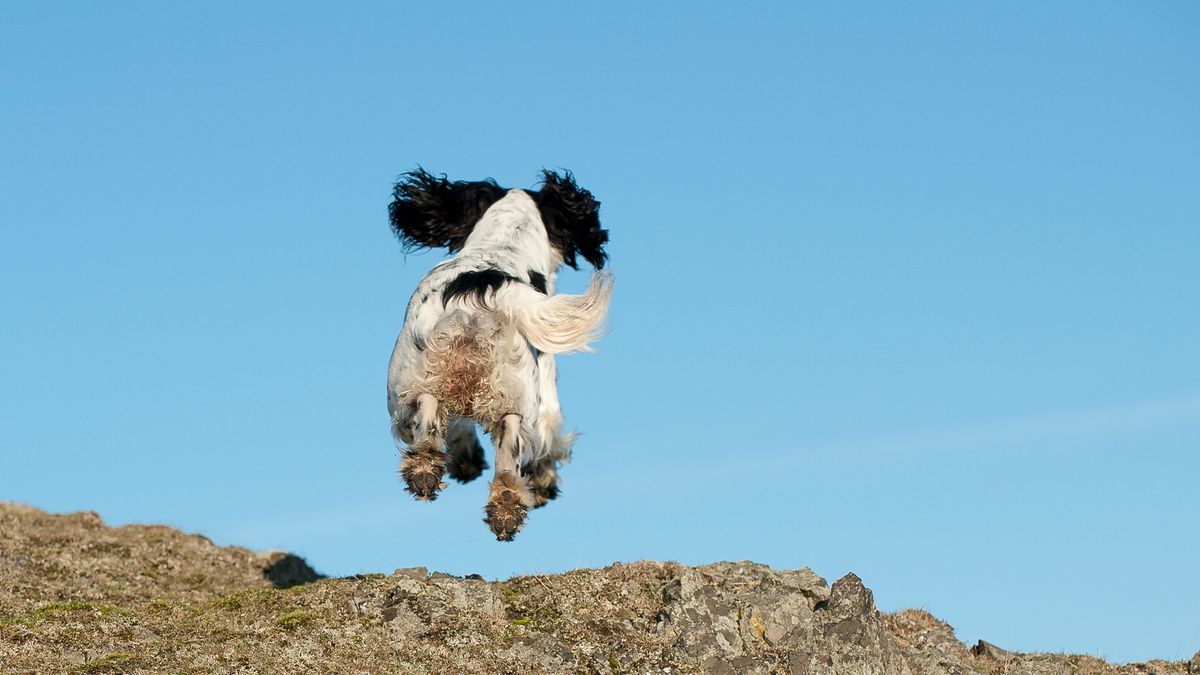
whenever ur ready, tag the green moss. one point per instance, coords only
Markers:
(295, 619)
(230, 602)
(53, 569)
(57, 609)
(254, 597)
(509, 595)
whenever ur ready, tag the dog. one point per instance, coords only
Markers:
(482, 330)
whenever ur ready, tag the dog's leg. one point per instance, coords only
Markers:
(424, 461)
(464, 451)
(509, 500)
(554, 447)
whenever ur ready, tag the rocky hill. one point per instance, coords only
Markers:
(77, 596)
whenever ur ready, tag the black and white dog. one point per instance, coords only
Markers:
(482, 329)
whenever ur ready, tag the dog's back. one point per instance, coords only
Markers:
(477, 322)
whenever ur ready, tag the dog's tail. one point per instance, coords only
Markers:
(564, 323)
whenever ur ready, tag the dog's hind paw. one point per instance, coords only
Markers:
(507, 506)
(542, 479)
(465, 467)
(422, 472)
(543, 495)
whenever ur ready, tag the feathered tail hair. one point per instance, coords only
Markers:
(564, 323)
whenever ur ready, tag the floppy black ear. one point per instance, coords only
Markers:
(572, 219)
(428, 211)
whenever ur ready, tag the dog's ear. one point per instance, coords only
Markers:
(572, 219)
(429, 211)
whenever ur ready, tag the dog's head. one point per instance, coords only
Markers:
(429, 211)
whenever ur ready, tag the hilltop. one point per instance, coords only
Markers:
(78, 596)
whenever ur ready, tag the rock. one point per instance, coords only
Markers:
(741, 617)
(470, 595)
(1194, 665)
(548, 652)
(849, 635)
(285, 570)
(143, 633)
(991, 651)
(412, 572)
(929, 645)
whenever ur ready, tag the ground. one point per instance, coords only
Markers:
(77, 596)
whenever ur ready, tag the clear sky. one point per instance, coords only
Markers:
(908, 290)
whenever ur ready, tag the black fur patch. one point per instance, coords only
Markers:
(572, 219)
(428, 211)
(476, 284)
(538, 281)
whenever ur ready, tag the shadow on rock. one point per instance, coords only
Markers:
(287, 570)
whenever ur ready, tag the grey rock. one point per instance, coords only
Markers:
(544, 650)
(143, 633)
(742, 618)
(469, 595)
(412, 573)
(849, 635)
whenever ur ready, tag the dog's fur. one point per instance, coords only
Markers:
(482, 329)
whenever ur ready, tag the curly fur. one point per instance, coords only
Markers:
(464, 368)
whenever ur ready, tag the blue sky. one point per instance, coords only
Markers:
(905, 291)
